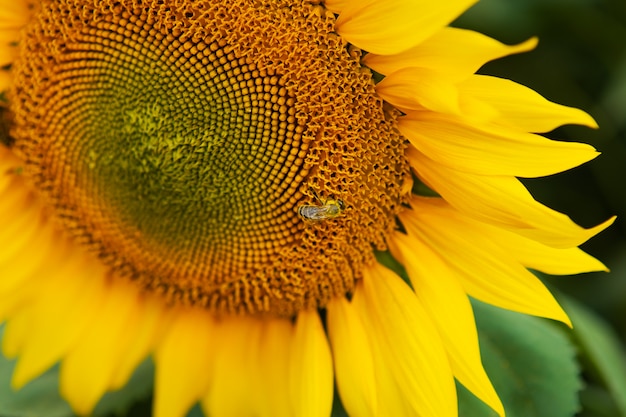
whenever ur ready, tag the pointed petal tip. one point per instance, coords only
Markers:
(601, 227)
(566, 320)
(576, 116)
(589, 121)
(528, 45)
(524, 46)
(20, 379)
(553, 312)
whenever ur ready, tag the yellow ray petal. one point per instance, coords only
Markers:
(8, 34)
(14, 14)
(15, 332)
(543, 258)
(409, 344)
(15, 238)
(451, 52)
(19, 205)
(521, 107)
(490, 149)
(233, 369)
(486, 269)
(46, 341)
(89, 368)
(15, 197)
(393, 26)
(13, 189)
(502, 201)
(354, 364)
(440, 292)
(24, 278)
(336, 6)
(7, 55)
(310, 368)
(6, 176)
(416, 88)
(391, 396)
(5, 80)
(184, 362)
(26, 255)
(29, 276)
(146, 323)
(21, 228)
(272, 368)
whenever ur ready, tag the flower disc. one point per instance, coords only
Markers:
(179, 140)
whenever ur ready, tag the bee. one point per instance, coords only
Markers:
(328, 209)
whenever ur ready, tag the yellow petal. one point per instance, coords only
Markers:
(16, 203)
(451, 52)
(336, 6)
(25, 278)
(184, 362)
(89, 368)
(521, 107)
(46, 342)
(442, 295)
(390, 395)
(18, 235)
(486, 269)
(393, 26)
(146, 323)
(543, 258)
(232, 392)
(25, 218)
(7, 55)
(15, 332)
(8, 164)
(310, 369)
(501, 200)
(490, 149)
(14, 14)
(5, 80)
(8, 34)
(27, 254)
(354, 364)
(406, 341)
(272, 368)
(416, 88)
(20, 231)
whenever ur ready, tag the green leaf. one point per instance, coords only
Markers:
(601, 347)
(470, 406)
(196, 411)
(117, 403)
(530, 362)
(41, 397)
(38, 398)
(338, 410)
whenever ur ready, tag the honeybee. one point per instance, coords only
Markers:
(329, 209)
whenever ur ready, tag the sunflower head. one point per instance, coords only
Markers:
(180, 144)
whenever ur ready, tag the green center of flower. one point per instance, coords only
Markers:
(182, 142)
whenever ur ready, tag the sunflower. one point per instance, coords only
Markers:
(208, 182)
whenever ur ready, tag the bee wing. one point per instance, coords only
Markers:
(315, 212)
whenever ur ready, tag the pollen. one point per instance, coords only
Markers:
(177, 141)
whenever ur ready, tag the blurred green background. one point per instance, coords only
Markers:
(580, 62)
